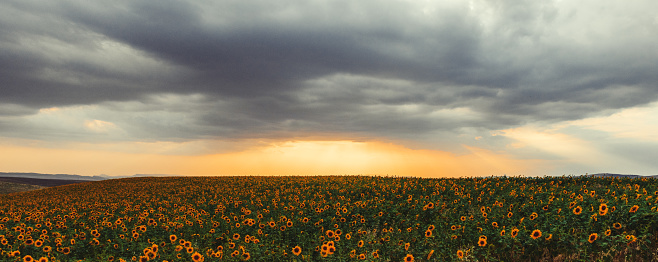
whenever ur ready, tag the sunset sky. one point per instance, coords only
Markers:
(409, 88)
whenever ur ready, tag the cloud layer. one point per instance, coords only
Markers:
(431, 73)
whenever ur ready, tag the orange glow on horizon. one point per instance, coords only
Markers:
(282, 158)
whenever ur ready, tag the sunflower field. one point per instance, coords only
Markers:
(334, 218)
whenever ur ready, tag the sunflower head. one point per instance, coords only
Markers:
(593, 237)
(634, 209)
(297, 250)
(482, 242)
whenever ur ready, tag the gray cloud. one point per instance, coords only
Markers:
(401, 70)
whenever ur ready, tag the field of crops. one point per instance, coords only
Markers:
(335, 218)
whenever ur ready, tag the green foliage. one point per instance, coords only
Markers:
(335, 218)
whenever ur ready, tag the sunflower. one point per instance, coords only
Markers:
(608, 232)
(603, 209)
(297, 250)
(246, 256)
(482, 242)
(360, 244)
(633, 209)
(43, 259)
(494, 224)
(536, 234)
(409, 258)
(460, 254)
(502, 232)
(196, 257)
(330, 233)
(533, 216)
(362, 256)
(28, 258)
(616, 225)
(549, 237)
(428, 233)
(593, 237)
(515, 232)
(577, 210)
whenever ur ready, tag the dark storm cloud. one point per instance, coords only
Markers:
(401, 69)
(246, 57)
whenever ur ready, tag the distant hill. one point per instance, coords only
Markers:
(621, 175)
(55, 176)
(9, 187)
(41, 182)
(20, 182)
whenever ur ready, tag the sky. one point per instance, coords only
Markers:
(450, 88)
